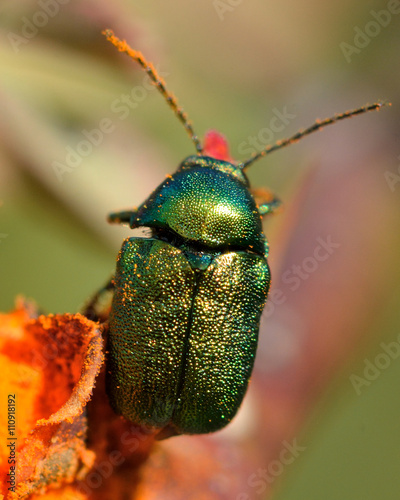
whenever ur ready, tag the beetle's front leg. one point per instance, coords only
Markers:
(266, 201)
(123, 217)
(269, 207)
(99, 306)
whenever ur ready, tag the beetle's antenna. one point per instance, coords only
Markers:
(137, 56)
(316, 126)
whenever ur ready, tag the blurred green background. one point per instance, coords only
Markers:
(231, 65)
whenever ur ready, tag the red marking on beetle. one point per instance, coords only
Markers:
(216, 146)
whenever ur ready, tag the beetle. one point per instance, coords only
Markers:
(183, 327)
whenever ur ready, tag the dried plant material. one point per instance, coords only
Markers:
(50, 364)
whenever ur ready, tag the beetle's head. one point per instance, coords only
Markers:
(215, 154)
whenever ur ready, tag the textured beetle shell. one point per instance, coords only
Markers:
(182, 344)
(207, 205)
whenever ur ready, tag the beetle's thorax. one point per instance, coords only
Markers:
(206, 203)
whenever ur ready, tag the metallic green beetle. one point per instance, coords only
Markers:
(187, 301)
(184, 321)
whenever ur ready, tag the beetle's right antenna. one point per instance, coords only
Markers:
(316, 126)
(137, 56)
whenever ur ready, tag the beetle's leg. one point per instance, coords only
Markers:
(98, 307)
(123, 217)
(266, 201)
(269, 207)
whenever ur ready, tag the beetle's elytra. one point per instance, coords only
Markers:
(187, 302)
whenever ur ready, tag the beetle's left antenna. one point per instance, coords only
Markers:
(137, 56)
